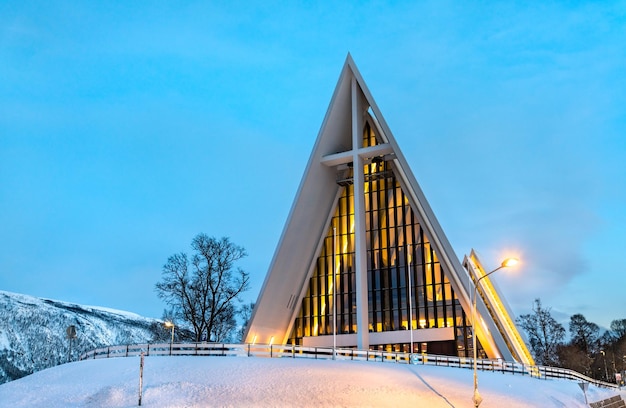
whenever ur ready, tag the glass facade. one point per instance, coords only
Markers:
(396, 247)
(316, 314)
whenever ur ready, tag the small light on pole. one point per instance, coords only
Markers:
(170, 325)
(71, 335)
(505, 264)
(606, 371)
(623, 372)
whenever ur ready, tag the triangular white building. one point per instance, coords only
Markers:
(362, 259)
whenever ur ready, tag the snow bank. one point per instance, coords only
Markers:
(280, 382)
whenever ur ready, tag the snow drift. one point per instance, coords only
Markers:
(281, 382)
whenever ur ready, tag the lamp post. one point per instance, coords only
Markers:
(623, 372)
(506, 263)
(334, 294)
(170, 325)
(606, 371)
(410, 311)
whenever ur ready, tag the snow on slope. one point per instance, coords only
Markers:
(281, 382)
(33, 336)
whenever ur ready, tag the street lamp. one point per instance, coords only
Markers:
(410, 311)
(334, 294)
(623, 372)
(506, 263)
(170, 325)
(606, 371)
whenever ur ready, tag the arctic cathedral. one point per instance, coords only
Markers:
(363, 262)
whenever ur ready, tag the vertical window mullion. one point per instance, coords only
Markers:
(400, 253)
(407, 267)
(389, 318)
(425, 289)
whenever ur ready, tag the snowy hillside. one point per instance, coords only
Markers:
(33, 332)
(195, 381)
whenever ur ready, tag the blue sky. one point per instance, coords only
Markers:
(126, 128)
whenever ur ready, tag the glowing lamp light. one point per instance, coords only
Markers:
(509, 262)
(170, 325)
(476, 398)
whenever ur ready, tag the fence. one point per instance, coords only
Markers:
(325, 353)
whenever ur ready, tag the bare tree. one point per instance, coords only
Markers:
(202, 290)
(245, 312)
(544, 333)
(224, 328)
(618, 328)
(584, 334)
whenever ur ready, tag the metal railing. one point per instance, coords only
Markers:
(327, 353)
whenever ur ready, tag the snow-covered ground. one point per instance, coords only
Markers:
(281, 382)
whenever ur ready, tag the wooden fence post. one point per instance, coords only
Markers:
(140, 378)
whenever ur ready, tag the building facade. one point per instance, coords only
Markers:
(363, 262)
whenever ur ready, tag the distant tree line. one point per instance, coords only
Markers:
(588, 351)
(203, 290)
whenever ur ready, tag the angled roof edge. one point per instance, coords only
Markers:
(300, 223)
(345, 71)
(425, 213)
(511, 339)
